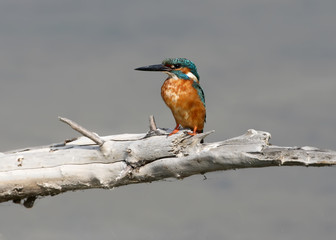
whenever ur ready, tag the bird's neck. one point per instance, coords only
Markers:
(175, 75)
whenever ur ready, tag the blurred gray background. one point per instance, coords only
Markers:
(267, 65)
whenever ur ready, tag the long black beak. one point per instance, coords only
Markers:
(156, 67)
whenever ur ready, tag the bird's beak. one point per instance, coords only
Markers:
(156, 67)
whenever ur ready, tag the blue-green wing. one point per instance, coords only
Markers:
(200, 93)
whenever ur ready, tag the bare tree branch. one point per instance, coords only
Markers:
(94, 137)
(152, 124)
(112, 161)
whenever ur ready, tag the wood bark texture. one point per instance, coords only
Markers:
(117, 160)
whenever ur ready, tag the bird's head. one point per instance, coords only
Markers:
(176, 68)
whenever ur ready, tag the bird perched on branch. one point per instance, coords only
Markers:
(182, 93)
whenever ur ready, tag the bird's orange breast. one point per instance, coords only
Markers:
(183, 100)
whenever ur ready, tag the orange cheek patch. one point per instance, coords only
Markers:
(185, 70)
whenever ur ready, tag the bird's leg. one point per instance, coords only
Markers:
(194, 132)
(176, 129)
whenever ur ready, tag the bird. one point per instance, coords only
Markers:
(182, 93)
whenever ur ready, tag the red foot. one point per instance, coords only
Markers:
(194, 132)
(176, 129)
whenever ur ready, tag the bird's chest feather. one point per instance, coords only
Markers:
(177, 92)
(185, 103)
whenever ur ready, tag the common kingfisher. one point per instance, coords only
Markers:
(182, 93)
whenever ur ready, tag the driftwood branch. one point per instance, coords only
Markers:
(112, 161)
(86, 133)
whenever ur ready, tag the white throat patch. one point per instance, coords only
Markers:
(172, 75)
(189, 74)
(192, 76)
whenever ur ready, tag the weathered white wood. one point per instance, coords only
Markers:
(137, 158)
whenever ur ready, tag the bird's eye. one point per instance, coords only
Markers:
(174, 66)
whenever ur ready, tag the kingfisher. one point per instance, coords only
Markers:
(182, 93)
